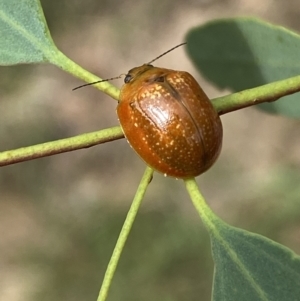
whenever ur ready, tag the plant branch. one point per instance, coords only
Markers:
(266, 93)
(63, 62)
(115, 257)
(60, 146)
(200, 204)
(223, 105)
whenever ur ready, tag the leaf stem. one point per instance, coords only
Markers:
(63, 62)
(60, 146)
(266, 93)
(223, 105)
(115, 257)
(207, 216)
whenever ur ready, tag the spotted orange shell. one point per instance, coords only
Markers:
(169, 121)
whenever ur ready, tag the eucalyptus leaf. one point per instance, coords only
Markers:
(251, 267)
(25, 37)
(243, 53)
(248, 266)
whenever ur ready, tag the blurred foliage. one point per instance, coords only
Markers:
(258, 53)
(166, 256)
(13, 79)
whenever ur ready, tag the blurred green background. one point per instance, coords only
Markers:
(60, 216)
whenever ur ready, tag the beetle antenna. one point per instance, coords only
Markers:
(166, 52)
(99, 81)
(105, 80)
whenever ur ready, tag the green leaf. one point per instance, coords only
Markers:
(251, 267)
(248, 266)
(243, 53)
(25, 37)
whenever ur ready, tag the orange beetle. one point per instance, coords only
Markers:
(169, 121)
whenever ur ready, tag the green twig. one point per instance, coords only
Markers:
(62, 61)
(266, 93)
(229, 103)
(60, 146)
(200, 204)
(223, 105)
(115, 257)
